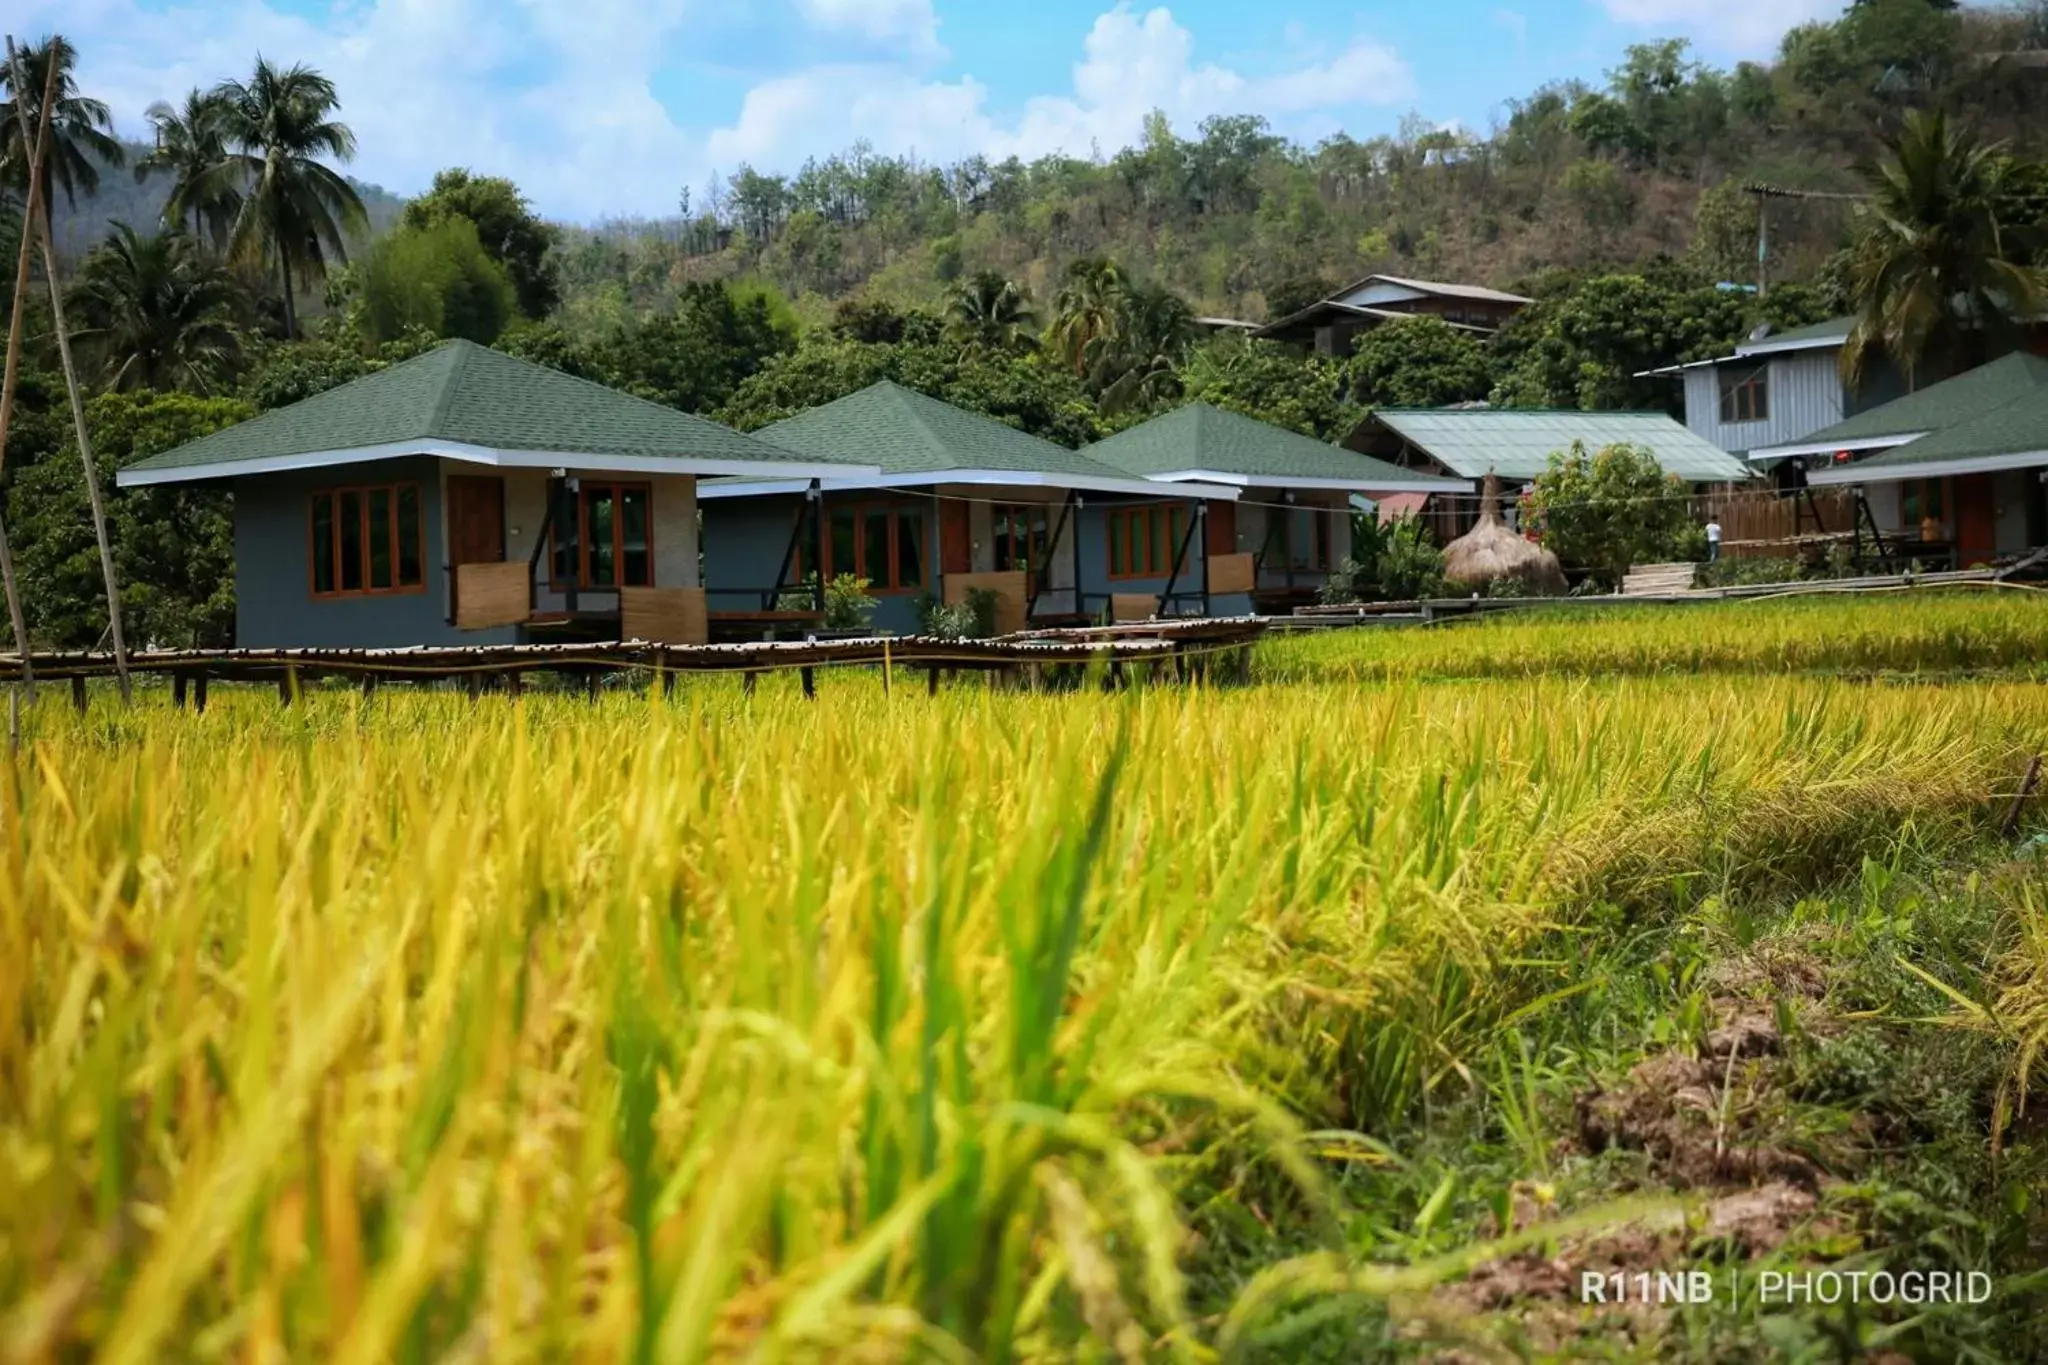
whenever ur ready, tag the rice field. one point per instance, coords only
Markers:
(1973, 628)
(990, 1026)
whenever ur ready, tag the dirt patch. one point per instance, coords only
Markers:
(1704, 1122)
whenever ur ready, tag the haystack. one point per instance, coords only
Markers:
(1491, 551)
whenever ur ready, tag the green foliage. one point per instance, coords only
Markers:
(990, 316)
(1397, 561)
(436, 278)
(1417, 362)
(295, 210)
(971, 618)
(1582, 345)
(173, 544)
(1262, 380)
(81, 128)
(1608, 510)
(1938, 282)
(696, 356)
(1023, 391)
(848, 604)
(152, 313)
(506, 227)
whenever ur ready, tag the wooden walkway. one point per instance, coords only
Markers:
(1162, 641)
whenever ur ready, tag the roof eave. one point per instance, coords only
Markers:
(1408, 483)
(1830, 447)
(1928, 469)
(480, 455)
(839, 481)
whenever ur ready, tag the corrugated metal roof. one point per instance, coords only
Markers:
(462, 393)
(1456, 291)
(1197, 436)
(1517, 443)
(1818, 334)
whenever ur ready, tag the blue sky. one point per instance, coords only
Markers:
(608, 107)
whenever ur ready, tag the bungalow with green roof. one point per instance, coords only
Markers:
(467, 497)
(1517, 443)
(1953, 471)
(1292, 521)
(955, 501)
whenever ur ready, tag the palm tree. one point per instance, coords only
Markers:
(81, 130)
(1085, 313)
(154, 312)
(1155, 331)
(293, 207)
(1937, 277)
(989, 315)
(190, 149)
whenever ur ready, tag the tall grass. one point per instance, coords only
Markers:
(1926, 631)
(684, 1029)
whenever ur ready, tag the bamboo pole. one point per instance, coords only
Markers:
(92, 478)
(33, 207)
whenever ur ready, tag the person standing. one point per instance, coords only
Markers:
(1713, 539)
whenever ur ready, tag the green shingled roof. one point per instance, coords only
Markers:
(2016, 428)
(462, 393)
(1518, 443)
(906, 432)
(1965, 398)
(1198, 437)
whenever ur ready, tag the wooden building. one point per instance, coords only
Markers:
(956, 500)
(467, 497)
(1517, 443)
(1329, 326)
(1951, 473)
(1292, 521)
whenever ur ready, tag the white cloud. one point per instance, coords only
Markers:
(1732, 28)
(561, 95)
(908, 24)
(1130, 65)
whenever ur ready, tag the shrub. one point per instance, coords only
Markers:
(848, 604)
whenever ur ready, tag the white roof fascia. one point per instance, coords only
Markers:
(1927, 469)
(1830, 447)
(1414, 484)
(479, 455)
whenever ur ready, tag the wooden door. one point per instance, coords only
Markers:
(476, 519)
(1222, 536)
(956, 541)
(1976, 514)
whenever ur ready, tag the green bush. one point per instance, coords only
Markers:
(848, 604)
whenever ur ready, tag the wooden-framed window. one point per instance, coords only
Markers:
(1745, 394)
(1919, 500)
(1144, 538)
(1022, 535)
(366, 540)
(612, 542)
(882, 542)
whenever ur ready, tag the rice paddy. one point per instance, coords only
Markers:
(1254, 1022)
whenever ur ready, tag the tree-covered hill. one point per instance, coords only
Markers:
(1243, 223)
(121, 198)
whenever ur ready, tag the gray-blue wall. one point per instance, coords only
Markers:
(274, 602)
(1092, 526)
(745, 540)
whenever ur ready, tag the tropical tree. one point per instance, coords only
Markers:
(81, 129)
(1937, 276)
(1086, 311)
(506, 227)
(1607, 510)
(154, 312)
(1155, 332)
(989, 315)
(190, 149)
(294, 209)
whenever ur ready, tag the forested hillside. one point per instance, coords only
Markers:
(121, 196)
(1242, 223)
